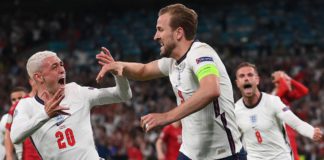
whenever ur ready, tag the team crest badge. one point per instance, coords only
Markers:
(253, 119)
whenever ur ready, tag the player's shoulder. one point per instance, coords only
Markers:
(239, 104)
(24, 101)
(201, 52)
(269, 97)
(71, 85)
(198, 44)
(166, 61)
(4, 118)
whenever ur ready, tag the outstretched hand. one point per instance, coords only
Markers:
(108, 64)
(52, 107)
(104, 57)
(318, 134)
(153, 120)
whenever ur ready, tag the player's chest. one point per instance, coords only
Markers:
(76, 110)
(259, 119)
(183, 78)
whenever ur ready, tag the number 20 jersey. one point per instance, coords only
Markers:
(64, 137)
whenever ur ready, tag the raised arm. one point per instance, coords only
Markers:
(135, 71)
(282, 87)
(207, 92)
(141, 72)
(303, 128)
(119, 93)
(298, 90)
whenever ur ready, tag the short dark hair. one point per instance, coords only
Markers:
(182, 16)
(246, 64)
(19, 89)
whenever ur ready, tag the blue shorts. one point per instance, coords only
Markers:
(238, 156)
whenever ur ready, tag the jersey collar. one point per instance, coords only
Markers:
(39, 100)
(250, 107)
(185, 55)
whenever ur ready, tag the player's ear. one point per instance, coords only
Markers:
(38, 77)
(179, 33)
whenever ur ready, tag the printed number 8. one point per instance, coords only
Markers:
(258, 136)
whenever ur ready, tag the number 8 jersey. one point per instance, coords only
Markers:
(262, 128)
(63, 137)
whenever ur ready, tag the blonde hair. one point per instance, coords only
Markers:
(34, 63)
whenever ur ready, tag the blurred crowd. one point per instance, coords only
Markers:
(275, 35)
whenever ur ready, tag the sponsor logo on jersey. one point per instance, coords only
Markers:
(204, 59)
(59, 120)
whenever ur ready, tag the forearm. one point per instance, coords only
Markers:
(133, 70)
(159, 149)
(205, 94)
(22, 127)
(123, 89)
(299, 90)
(140, 71)
(117, 94)
(8, 146)
(196, 102)
(300, 126)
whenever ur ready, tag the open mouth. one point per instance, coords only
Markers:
(247, 86)
(61, 81)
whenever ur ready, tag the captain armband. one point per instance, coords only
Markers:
(206, 70)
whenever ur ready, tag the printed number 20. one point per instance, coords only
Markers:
(69, 138)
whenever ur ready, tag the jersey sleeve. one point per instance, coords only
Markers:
(282, 87)
(164, 65)
(3, 123)
(203, 62)
(10, 116)
(24, 125)
(298, 90)
(284, 113)
(120, 93)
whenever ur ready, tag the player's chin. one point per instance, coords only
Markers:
(247, 93)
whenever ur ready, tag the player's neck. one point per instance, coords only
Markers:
(182, 49)
(252, 101)
(44, 94)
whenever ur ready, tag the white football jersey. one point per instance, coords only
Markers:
(2, 135)
(64, 137)
(263, 132)
(210, 133)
